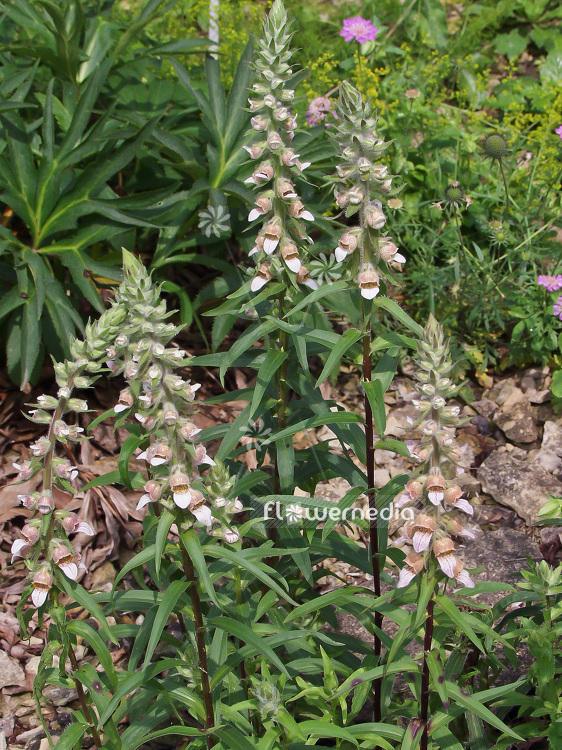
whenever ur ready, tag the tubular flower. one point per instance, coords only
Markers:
(413, 564)
(423, 528)
(64, 559)
(30, 535)
(179, 484)
(42, 583)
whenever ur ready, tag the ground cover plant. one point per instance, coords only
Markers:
(303, 232)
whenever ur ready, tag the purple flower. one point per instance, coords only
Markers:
(317, 110)
(557, 308)
(558, 131)
(358, 28)
(550, 283)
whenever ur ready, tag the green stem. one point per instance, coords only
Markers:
(424, 700)
(506, 207)
(200, 639)
(82, 698)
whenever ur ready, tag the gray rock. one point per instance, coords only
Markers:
(10, 671)
(521, 485)
(550, 454)
(485, 408)
(398, 424)
(516, 421)
(501, 554)
(538, 397)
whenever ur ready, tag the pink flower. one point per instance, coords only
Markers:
(550, 283)
(557, 308)
(317, 110)
(558, 131)
(359, 29)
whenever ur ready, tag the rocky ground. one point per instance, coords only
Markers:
(513, 460)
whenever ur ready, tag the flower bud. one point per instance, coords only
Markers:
(375, 216)
(274, 141)
(45, 503)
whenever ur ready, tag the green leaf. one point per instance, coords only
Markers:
(245, 341)
(136, 680)
(261, 572)
(86, 600)
(375, 395)
(274, 358)
(231, 738)
(472, 703)
(190, 540)
(350, 337)
(325, 729)
(71, 735)
(238, 96)
(452, 611)
(127, 449)
(167, 605)
(10, 301)
(30, 340)
(317, 294)
(397, 312)
(93, 639)
(246, 634)
(319, 421)
(164, 524)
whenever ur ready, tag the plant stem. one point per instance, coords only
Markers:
(424, 701)
(200, 638)
(82, 698)
(373, 525)
(506, 207)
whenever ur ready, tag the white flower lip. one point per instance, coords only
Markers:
(182, 499)
(293, 264)
(39, 596)
(269, 245)
(257, 283)
(144, 500)
(203, 515)
(70, 570)
(370, 293)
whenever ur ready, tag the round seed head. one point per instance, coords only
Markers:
(495, 146)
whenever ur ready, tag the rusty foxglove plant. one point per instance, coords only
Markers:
(163, 403)
(441, 509)
(280, 250)
(44, 542)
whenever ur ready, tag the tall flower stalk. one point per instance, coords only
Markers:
(433, 491)
(44, 545)
(280, 250)
(369, 256)
(163, 402)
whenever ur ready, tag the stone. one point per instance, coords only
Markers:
(521, 485)
(10, 671)
(485, 408)
(397, 424)
(550, 454)
(502, 554)
(516, 422)
(103, 577)
(538, 397)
